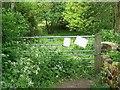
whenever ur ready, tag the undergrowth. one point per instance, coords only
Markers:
(35, 66)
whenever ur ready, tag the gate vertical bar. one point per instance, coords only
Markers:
(98, 60)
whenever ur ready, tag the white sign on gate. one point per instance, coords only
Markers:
(81, 41)
(66, 42)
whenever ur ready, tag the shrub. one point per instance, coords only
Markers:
(13, 24)
(115, 56)
(107, 35)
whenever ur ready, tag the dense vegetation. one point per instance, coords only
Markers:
(33, 66)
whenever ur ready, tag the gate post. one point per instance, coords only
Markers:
(98, 60)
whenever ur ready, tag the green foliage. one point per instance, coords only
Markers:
(117, 39)
(51, 13)
(13, 66)
(29, 11)
(88, 18)
(35, 13)
(34, 66)
(13, 24)
(115, 56)
(76, 16)
(6, 5)
(26, 8)
(98, 83)
(99, 86)
(107, 35)
(26, 67)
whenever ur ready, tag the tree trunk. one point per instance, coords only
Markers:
(47, 26)
(117, 17)
(51, 28)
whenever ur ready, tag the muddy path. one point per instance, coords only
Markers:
(72, 83)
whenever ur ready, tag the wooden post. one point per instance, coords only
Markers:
(98, 60)
(117, 17)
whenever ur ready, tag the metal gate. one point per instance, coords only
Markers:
(90, 55)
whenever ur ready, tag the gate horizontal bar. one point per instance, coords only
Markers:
(91, 36)
(86, 66)
(50, 44)
(44, 44)
(76, 55)
(40, 45)
(78, 59)
(73, 51)
(85, 58)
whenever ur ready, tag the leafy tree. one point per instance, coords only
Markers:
(104, 15)
(36, 12)
(88, 18)
(51, 13)
(29, 11)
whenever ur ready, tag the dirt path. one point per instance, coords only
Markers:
(82, 83)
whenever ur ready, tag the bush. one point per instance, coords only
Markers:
(108, 35)
(13, 24)
(115, 56)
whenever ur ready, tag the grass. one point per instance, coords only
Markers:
(99, 85)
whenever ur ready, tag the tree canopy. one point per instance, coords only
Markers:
(83, 17)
